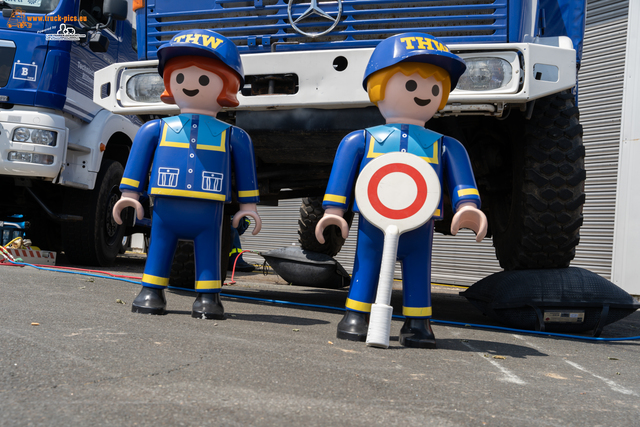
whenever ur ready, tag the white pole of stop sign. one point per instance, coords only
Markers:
(381, 310)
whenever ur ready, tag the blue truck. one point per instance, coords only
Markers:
(61, 155)
(515, 108)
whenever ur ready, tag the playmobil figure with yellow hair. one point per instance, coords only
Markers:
(191, 157)
(409, 77)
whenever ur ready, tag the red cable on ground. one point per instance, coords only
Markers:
(120, 276)
(233, 270)
(84, 270)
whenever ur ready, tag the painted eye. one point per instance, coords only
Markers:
(180, 78)
(435, 90)
(411, 85)
(203, 80)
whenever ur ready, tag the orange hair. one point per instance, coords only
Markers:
(377, 82)
(230, 80)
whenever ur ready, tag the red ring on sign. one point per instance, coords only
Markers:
(372, 191)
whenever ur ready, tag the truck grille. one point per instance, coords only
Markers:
(257, 25)
(6, 61)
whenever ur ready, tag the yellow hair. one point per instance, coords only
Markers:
(377, 82)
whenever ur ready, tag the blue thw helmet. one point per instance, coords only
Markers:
(414, 47)
(206, 43)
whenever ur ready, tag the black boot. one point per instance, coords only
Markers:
(353, 326)
(417, 333)
(208, 306)
(149, 301)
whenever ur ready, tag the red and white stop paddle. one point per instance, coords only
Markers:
(397, 192)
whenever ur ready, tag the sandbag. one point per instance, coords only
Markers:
(567, 300)
(306, 268)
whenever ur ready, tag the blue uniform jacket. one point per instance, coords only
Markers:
(192, 157)
(446, 155)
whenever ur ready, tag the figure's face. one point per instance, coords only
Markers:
(196, 89)
(410, 98)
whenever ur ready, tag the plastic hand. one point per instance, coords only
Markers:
(248, 209)
(128, 199)
(469, 216)
(332, 216)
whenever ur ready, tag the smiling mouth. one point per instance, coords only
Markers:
(421, 102)
(190, 92)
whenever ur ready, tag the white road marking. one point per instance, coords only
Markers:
(509, 376)
(612, 385)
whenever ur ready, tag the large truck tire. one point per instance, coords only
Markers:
(97, 239)
(310, 213)
(538, 226)
(183, 268)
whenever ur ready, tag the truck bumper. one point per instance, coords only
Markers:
(29, 159)
(332, 79)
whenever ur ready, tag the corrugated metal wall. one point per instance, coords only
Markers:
(459, 259)
(601, 80)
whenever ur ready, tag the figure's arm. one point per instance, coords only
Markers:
(128, 199)
(138, 164)
(346, 165)
(139, 161)
(465, 197)
(244, 166)
(332, 216)
(339, 191)
(248, 209)
(469, 216)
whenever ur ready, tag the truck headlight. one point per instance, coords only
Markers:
(21, 135)
(43, 137)
(485, 74)
(42, 159)
(146, 87)
(35, 136)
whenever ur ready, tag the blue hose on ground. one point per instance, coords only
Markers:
(326, 307)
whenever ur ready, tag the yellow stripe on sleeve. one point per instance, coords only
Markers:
(252, 193)
(335, 198)
(468, 192)
(131, 182)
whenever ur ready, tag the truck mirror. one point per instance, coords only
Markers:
(116, 9)
(98, 42)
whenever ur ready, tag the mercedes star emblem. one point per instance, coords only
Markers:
(314, 9)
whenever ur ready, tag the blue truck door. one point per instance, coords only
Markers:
(84, 62)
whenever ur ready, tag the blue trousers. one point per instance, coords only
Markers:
(185, 219)
(414, 253)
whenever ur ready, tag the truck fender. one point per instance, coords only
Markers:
(84, 153)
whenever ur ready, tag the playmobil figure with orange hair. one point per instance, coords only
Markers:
(409, 77)
(191, 157)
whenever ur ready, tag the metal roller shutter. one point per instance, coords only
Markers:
(600, 83)
(459, 259)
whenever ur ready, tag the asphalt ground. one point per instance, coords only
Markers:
(73, 353)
